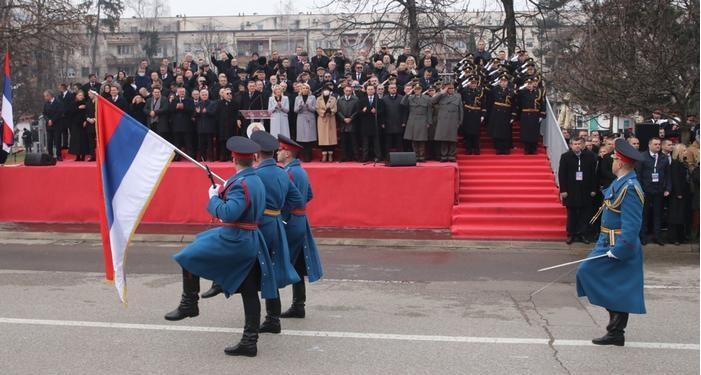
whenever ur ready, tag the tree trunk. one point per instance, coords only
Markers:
(94, 44)
(413, 22)
(510, 25)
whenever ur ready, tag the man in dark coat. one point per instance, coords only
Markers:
(251, 100)
(578, 185)
(91, 85)
(502, 111)
(65, 99)
(53, 110)
(347, 112)
(228, 123)
(156, 110)
(369, 118)
(394, 120)
(205, 116)
(320, 60)
(530, 108)
(181, 110)
(118, 100)
(653, 174)
(474, 102)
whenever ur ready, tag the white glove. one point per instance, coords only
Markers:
(610, 254)
(213, 191)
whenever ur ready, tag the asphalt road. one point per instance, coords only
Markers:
(378, 310)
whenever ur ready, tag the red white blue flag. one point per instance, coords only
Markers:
(8, 137)
(131, 161)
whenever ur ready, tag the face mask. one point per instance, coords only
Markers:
(326, 92)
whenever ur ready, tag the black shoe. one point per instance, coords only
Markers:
(187, 309)
(270, 325)
(659, 242)
(643, 242)
(213, 291)
(676, 243)
(295, 311)
(247, 347)
(585, 240)
(570, 239)
(609, 339)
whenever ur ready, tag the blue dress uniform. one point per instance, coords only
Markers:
(279, 191)
(616, 282)
(226, 254)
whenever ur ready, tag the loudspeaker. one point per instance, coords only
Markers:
(37, 159)
(402, 159)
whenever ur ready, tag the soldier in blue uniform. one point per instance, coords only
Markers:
(303, 251)
(279, 192)
(233, 255)
(616, 282)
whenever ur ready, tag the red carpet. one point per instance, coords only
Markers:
(346, 195)
(507, 196)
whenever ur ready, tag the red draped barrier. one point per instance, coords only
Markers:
(345, 195)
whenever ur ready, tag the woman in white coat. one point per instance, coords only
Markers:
(278, 107)
(305, 107)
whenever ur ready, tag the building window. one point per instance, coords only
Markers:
(166, 28)
(124, 50)
(134, 29)
(188, 47)
(259, 27)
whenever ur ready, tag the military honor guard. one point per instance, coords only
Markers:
(303, 251)
(279, 192)
(530, 109)
(449, 119)
(234, 255)
(474, 109)
(502, 114)
(615, 281)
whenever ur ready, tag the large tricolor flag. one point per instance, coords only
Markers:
(131, 160)
(8, 138)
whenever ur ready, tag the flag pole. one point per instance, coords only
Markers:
(177, 150)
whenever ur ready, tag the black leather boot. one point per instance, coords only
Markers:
(213, 291)
(248, 345)
(615, 330)
(188, 302)
(299, 297)
(272, 317)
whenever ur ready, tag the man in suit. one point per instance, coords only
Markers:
(252, 99)
(156, 110)
(653, 174)
(347, 112)
(53, 110)
(181, 111)
(118, 100)
(578, 185)
(370, 116)
(320, 60)
(66, 99)
(92, 84)
(359, 74)
(394, 120)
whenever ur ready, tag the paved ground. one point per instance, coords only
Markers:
(379, 310)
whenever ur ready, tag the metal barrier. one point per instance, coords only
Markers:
(553, 140)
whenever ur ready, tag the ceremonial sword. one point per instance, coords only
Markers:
(575, 262)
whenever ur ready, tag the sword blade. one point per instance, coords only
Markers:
(569, 263)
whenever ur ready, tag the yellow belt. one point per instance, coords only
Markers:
(271, 212)
(612, 234)
(530, 110)
(473, 108)
(502, 104)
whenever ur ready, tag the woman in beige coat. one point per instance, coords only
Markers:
(326, 124)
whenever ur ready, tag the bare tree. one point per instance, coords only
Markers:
(632, 55)
(41, 36)
(412, 23)
(103, 13)
(148, 11)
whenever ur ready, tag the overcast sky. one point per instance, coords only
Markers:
(228, 7)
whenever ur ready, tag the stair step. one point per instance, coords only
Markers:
(514, 175)
(510, 198)
(514, 208)
(506, 182)
(525, 232)
(506, 168)
(511, 220)
(506, 189)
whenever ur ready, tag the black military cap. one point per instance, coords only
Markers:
(262, 60)
(472, 78)
(504, 76)
(625, 152)
(286, 143)
(242, 147)
(266, 141)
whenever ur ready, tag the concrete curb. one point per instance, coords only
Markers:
(365, 242)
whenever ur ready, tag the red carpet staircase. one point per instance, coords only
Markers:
(510, 197)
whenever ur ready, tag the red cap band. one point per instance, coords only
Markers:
(241, 156)
(624, 158)
(285, 146)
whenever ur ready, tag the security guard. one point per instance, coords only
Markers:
(303, 251)
(279, 193)
(616, 282)
(233, 255)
